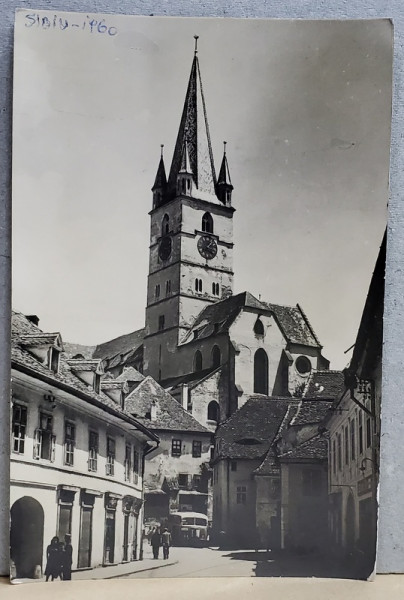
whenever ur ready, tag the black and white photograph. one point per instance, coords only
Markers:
(199, 240)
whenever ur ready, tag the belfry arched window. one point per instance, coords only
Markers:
(165, 225)
(259, 327)
(213, 411)
(207, 223)
(216, 356)
(197, 361)
(261, 372)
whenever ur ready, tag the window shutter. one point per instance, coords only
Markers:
(37, 443)
(52, 449)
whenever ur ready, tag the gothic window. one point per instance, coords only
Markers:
(197, 361)
(213, 411)
(198, 285)
(261, 372)
(215, 289)
(157, 291)
(207, 223)
(161, 322)
(168, 287)
(165, 226)
(216, 356)
(259, 327)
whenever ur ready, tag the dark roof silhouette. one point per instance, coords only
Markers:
(315, 448)
(324, 385)
(120, 345)
(251, 430)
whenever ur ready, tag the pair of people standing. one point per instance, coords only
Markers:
(59, 559)
(160, 539)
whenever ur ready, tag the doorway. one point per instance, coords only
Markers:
(109, 552)
(26, 537)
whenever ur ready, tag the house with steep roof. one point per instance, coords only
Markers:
(177, 472)
(76, 457)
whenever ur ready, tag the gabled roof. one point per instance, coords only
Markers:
(23, 360)
(170, 414)
(324, 384)
(315, 448)
(130, 374)
(218, 317)
(120, 345)
(251, 430)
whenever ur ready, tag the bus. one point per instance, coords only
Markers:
(188, 529)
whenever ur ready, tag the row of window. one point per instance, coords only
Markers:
(157, 289)
(206, 225)
(354, 437)
(199, 287)
(216, 358)
(176, 448)
(45, 443)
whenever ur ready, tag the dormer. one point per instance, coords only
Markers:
(89, 371)
(184, 177)
(46, 347)
(116, 390)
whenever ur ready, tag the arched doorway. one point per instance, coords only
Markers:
(26, 536)
(350, 524)
(261, 372)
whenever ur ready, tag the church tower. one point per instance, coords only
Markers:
(191, 236)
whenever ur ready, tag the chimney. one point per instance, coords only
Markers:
(184, 396)
(33, 319)
(153, 411)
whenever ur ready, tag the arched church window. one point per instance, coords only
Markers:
(197, 361)
(213, 411)
(259, 327)
(165, 225)
(198, 285)
(215, 289)
(207, 223)
(216, 356)
(261, 372)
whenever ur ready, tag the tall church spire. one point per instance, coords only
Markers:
(194, 133)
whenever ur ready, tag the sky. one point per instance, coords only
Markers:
(305, 108)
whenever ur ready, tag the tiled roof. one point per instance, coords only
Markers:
(130, 374)
(38, 338)
(325, 384)
(251, 431)
(218, 317)
(20, 357)
(269, 465)
(120, 345)
(311, 411)
(170, 414)
(315, 448)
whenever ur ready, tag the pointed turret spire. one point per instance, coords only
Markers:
(160, 182)
(224, 186)
(194, 133)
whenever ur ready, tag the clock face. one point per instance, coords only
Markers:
(207, 247)
(165, 248)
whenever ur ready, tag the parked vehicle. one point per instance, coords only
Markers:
(188, 529)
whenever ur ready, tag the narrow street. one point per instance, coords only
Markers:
(212, 562)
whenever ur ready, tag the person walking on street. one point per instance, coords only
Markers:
(155, 542)
(166, 542)
(67, 558)
(52, 569)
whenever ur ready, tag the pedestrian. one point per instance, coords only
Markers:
(67, 558)
(155, 542)
(52, 569)
(166, 542)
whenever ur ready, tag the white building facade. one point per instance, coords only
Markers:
(76, 460)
